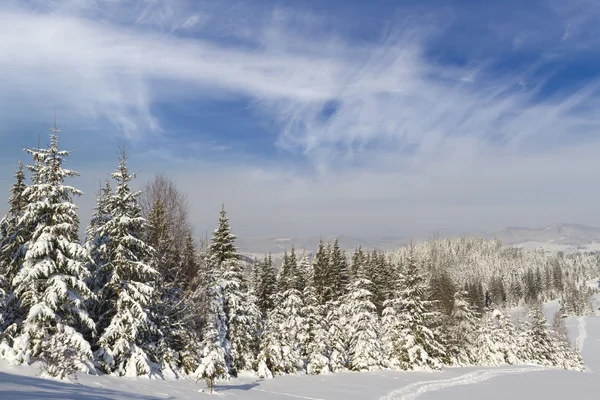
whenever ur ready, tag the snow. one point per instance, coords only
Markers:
(20, 382)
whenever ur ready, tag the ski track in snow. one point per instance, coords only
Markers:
(287, 394)
(416, 389)
(580, 341)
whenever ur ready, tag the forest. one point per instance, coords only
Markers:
(140, 295)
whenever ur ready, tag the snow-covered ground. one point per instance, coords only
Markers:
(523, 382)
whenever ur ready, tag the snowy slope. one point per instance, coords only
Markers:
(18, 382)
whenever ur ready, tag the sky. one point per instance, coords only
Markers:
(341, 117)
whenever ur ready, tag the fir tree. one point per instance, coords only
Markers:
(364, 351)
(126, 342)
(222, 246)
(336, 321)
(320, 268)
(12, 252)
(240, 308)
(97, 240)
(215, 355)
(317, 361)
(358, 260)
(285, 336)
(422, 348)
(541, 340)
(265, 285)
(337, 272)
(462, 331)
(290, 276)
(50, 286)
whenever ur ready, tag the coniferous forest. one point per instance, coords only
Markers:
(140, 296)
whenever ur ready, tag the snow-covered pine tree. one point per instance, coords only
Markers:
(265, 285)
(283, 273)
(189, 260)
(380, 276)
(12, 251)
(216, 351)
(542, 341)
(242, 314)
(126, 332)
(336, 322)
(285, 336)
(364, 350)
(97, 242)
(462, 331)
(222, 247)
(316, 347)
(320, 268)
(391, 335)
(290, 276)
(358, 259)
(491, 340)
(421, 344)
(50, 286)
(338, 275)
(570, 359)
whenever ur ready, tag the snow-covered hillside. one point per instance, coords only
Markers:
(515, 382)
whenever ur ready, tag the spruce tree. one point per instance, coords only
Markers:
(127, 333)
(422, 348)
(222, 246)
(391, 335)
(285, 337)
(242, 314)
(364, 350)
(338, 275)
(336, 322)
(316, 348)
(358, 260)
(317, 361)
(265, 285)
(320, 268)
(541, 339)
(50, 286)
(97, 241)
(12, 252)
(462, 330)
(215, 354)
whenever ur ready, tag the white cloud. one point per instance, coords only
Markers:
(410, 145)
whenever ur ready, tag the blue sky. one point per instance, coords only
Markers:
(319, 117)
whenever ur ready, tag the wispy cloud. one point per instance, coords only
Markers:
(379, 121)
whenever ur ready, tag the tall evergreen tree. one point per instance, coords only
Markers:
(265, 285)
(462, 331)
(338, 274)
(50, 286)
(97, 240)
(222, 247)
(286, 334)
(240, 308)
(12, 252)
(320, 268)
(127, 332)
(419, 341)
(216, 351)
(358, 260)
(364, 352)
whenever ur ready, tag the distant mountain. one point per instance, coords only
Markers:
(563, 234)
(560, 236)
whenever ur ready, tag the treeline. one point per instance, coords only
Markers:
(138, 297)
